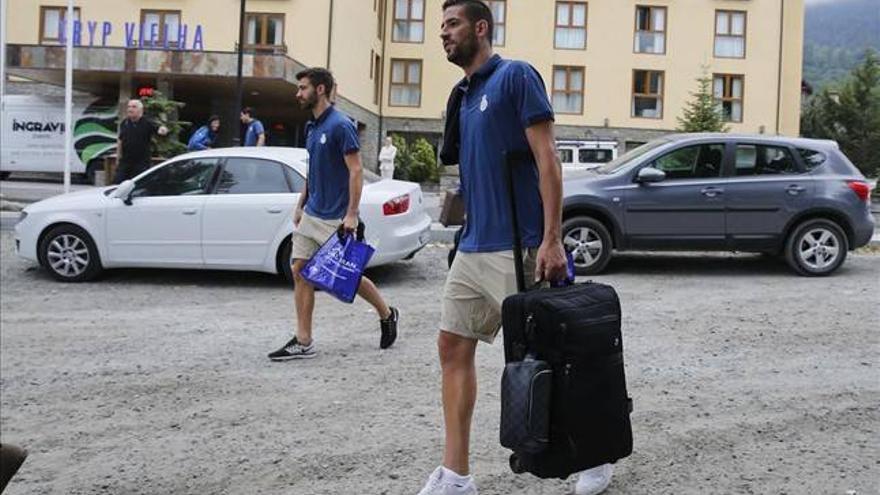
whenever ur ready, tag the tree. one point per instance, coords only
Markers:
(702, 114)
(416, 162)
(424, 162)
(850, 115)
(163, 111)
(403, 159)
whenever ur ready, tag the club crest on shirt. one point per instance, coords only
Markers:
(484, 104)
(323, 138)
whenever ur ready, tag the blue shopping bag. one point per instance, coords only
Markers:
(569, 272)
(337, 267)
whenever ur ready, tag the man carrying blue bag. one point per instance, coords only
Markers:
(330, 204)
(338, 266)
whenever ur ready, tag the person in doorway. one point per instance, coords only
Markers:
(331, 201)
(503, 106)
(133, 142)
(386, 158)
(205, 136)
(255, 134)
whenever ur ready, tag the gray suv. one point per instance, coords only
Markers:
(798, 197)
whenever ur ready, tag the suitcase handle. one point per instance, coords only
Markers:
(512, 158)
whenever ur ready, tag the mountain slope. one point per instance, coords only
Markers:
(836, 35)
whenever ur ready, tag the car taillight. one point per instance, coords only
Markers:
(862, 189)
(396, 206)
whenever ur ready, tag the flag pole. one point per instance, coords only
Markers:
(68, 94)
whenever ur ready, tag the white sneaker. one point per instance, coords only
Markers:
(594, 481)
(441, 483)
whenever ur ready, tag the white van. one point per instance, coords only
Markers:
(585, 155)
(32, 134)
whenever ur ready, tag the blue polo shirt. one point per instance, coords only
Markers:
(255, 128)
(328, 139)
(501, 100)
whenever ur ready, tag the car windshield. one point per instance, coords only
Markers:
(629, 156)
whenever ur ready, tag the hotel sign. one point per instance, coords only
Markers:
(136, 35)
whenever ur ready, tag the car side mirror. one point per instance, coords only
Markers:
(124, 190)
(648, 175)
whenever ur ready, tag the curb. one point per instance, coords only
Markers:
(11, 206)
(8, 219)
(441, 234)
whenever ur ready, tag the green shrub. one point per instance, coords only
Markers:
(416, 162)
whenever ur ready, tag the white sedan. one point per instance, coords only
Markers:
(228, 209)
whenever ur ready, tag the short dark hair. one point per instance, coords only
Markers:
(247, 111)
(319, 76)
(212, 118)
(475, 11)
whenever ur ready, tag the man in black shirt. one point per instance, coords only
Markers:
(133, 143)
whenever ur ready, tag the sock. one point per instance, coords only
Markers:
(454, 477)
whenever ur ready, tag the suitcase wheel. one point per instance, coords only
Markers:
(515, 465)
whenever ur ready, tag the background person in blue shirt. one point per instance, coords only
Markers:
(333, 195)
(204, 137)
(504, 107)
(256, 134)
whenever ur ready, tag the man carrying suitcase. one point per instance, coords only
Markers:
(499, 107)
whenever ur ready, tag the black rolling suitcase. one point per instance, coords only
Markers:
(564, 404)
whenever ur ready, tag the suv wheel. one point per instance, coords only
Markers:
(69, 254)
(816, 248)
(589, 243)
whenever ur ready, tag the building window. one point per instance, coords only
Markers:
(406, 83)
(160, 26)
(568, 90)
(647, 99)
(650, 30)
(377, 79)
(264, 31)
(409, 21)
(52, 23)
(728, 92)
(571, 25)
(499, 18)
(730, 34)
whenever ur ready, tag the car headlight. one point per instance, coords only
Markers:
(22, 216)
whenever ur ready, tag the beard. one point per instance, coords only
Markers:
(309, 103)
(464, 52)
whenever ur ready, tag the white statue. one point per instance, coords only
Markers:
(386, 159)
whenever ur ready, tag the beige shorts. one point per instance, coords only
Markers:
(476, 286)
(309, 235)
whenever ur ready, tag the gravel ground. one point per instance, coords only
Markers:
(746, 379)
